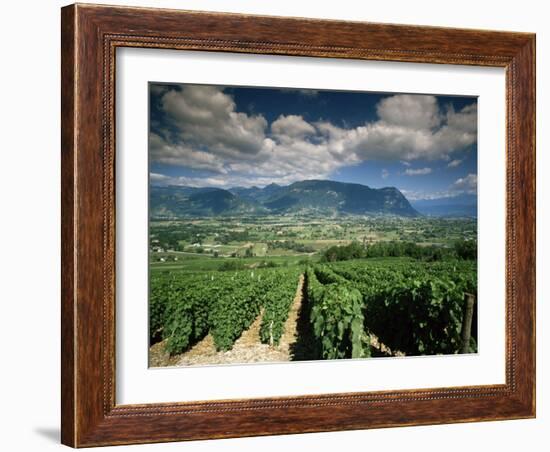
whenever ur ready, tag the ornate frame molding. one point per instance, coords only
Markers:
(90, 37)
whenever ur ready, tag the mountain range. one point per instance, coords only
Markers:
(304, 197)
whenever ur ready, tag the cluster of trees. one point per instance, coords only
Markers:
(169, 237)
(290, 245)
(462, 249)
(343, 253)
(234, 236)
(466, 249)
(231, 265)
(408, 249)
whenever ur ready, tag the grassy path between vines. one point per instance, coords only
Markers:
(247, 349)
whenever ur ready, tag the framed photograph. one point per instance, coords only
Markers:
(281, 225)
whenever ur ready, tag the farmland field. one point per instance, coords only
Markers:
(217, 296)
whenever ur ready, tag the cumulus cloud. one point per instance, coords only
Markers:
(206, 117)
(466, 184)
(229, 180)
(454, 163)
(182, 155)
(417, 171)
(211, 135)
(464, 121)
(206, 132)
(463, 185)
(409, 111)
(291, 127)
(410, 127)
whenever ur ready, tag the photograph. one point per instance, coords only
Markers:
(290, 226)
(294, 224)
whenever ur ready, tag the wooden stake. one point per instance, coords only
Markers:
(466, 332)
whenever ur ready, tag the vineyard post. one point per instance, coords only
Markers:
(466, 332)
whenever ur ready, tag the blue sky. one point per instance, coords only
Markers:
(201, 135)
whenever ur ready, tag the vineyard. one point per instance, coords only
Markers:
(412, 307)
(183, 309)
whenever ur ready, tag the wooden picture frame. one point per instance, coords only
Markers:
(90, 36)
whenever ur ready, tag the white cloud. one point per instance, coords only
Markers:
(182, 155)
(465, 120)
(155, 177)
(230, 180)
(466, 184)
(410, 111)
(202, 130)
(463, 185)
(417, 171)
(405, 132)
(205, 117)
(385, 174)
(454, 163)
(291, 127)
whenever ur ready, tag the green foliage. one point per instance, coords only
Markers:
(187, 313)
(355, 250)
(237, 305)
(231, 265)
(408, 249)
(234, 236)
(277, 302)
(412, 306)
(343, 253)
(236, 308)
(160, 285)
(415, 308)
(184, 308)
(417, 316)
(290, 245)
(336, 315)
(466, 249)
(178, 310)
